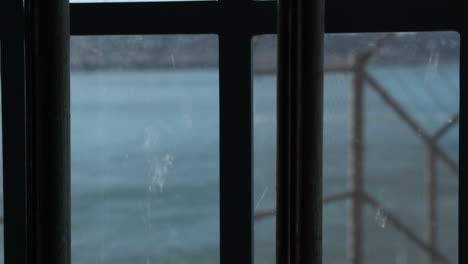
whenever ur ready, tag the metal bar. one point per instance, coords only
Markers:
(336, 197)
(446, 127)
(14, 132)
(355, 231)
(203, 17)
(338, 69)
(411, 123)
(395, 221)
(431, 203)
(48, 98)
(365, 56)
(354, 16)
(235, 149)
(143, 18)
(332, 69)
(299, 138)
(261, 214)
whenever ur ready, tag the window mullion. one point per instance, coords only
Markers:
(299, 132)
(14, 133)
(235, 148)
(48, 132)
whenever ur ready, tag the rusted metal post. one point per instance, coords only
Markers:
(355, 230)
(431, 203)
(413, 125)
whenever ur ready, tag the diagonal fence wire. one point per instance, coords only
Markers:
(445, 128)
(262, 214)
(376, 86)
(400, 226)
(431, 140)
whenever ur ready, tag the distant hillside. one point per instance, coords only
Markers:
(199, 51)
(418, 48)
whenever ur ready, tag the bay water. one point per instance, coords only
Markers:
(145, 165)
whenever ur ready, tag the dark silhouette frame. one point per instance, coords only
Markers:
(235, 22)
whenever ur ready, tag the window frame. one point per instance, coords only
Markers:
(210, 17)
(13, 132)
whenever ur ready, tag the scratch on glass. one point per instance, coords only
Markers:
(173, 61)
(432, 65)
(151, 138)
(265, 191)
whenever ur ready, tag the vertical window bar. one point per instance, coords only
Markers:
(299, 160)
(14, 131)
(48, 102)
(235, 148)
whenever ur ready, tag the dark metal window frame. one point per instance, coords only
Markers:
(235, 22)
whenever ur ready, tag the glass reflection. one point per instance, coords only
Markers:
(391, 103)
(145, 140)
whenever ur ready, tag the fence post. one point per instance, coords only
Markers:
(355, 229)
(431, 203)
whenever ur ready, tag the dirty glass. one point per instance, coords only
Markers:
(145, 149)
(393, 126)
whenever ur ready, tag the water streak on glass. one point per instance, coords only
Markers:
(145, 149)
(390, 134)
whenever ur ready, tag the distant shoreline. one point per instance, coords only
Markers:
(201, 51)
(259, 70)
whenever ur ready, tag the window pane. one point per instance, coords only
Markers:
(145, 149)
(409, 101)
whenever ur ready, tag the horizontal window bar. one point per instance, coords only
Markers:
(172, 18)
(256, 17)
(361, 19)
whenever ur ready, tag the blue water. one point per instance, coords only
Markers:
(145, 165)
(394, 163)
